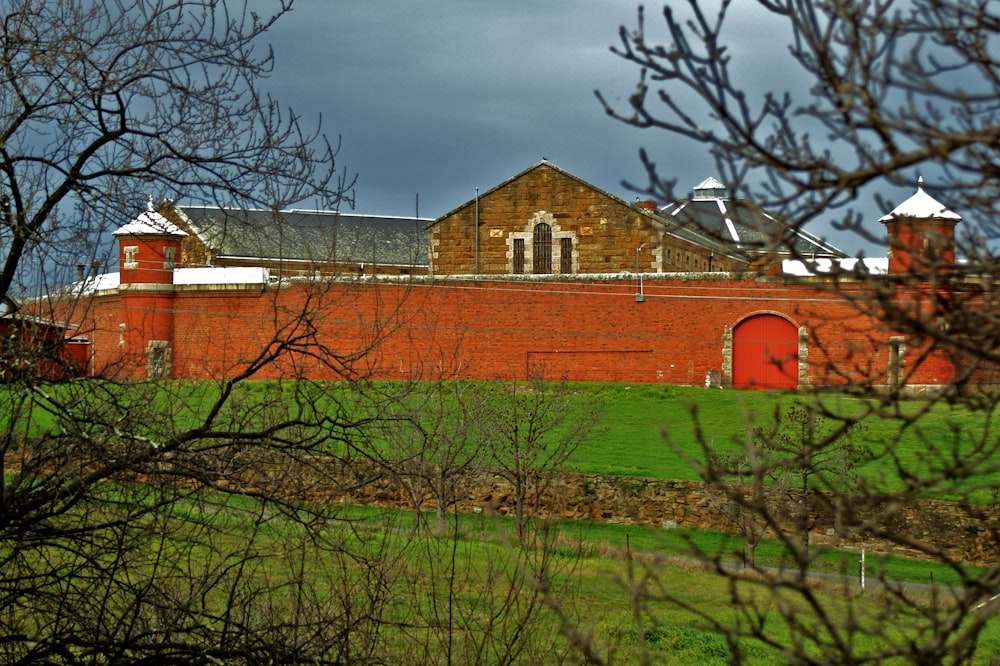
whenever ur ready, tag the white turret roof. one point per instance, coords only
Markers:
(709, 183)
(150, 223)
(921, 206)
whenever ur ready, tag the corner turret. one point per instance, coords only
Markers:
(921, 234)
(149, 246)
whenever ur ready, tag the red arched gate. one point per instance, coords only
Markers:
(765, 353)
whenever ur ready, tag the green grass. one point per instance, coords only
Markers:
(645, 426)
(593, 583)
(606, 540)
(649, 431)
(646, 431)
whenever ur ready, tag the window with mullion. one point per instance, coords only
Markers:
(542, 248)
(565, 256)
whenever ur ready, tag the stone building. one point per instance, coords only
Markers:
(545, 220)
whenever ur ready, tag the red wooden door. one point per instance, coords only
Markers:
(765, 353)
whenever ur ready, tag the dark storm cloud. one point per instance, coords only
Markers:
(439, 98)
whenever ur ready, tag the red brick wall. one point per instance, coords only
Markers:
(581, 329)
(917, 245)
(150, 258)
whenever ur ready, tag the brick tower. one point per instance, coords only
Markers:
(148, 247)
(921, 235)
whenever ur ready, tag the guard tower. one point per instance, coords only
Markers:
(921, 234)
(148, 248)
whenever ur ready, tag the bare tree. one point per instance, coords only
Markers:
(533, 429)
(738, 492)
(807, 460)
(875, 94)
(150, 521)
(432, 433)
(105, 101)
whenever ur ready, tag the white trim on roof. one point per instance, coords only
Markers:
(826, 265)
(729, 222)
(226, 275)
(149, 223)
(921, 206)
(222, 275)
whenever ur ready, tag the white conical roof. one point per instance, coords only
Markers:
(150, 223)
(921, 206)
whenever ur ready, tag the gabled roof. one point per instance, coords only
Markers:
(308, 235)
(745, 224)
(922, 206)
(666, 223)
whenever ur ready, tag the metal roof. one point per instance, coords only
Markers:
(746, 225)
(308, 235)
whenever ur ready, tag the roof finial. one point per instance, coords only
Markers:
(149, 204)
(920, 182)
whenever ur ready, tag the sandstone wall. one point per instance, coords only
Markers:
(966, 533)
(605, 232)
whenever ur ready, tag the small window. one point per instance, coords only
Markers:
(158, 359)
(130, 261)
(565, 256)
(897, 348)
(519, 255)
(542, 248)
(169, 258)
(157, 363)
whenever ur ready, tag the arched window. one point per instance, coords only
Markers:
(542, 248)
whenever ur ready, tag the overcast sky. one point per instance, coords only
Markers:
(438, 98)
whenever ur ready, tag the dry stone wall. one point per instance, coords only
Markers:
(967, 533)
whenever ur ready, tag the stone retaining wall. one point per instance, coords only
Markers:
(906, 527)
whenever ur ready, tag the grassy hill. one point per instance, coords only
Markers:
(477, 580)
(649, 431)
